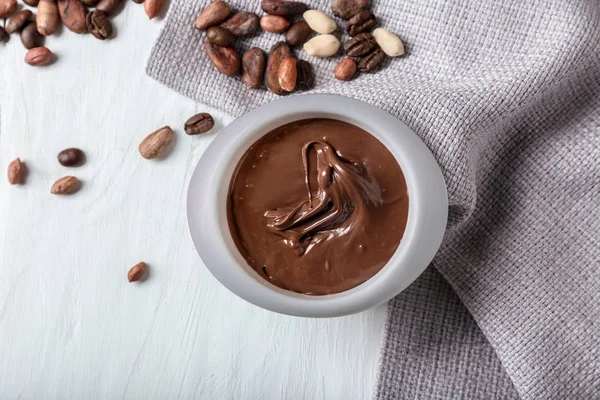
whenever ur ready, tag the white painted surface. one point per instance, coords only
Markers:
(71, 326)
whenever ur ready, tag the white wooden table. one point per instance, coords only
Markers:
(71, 326)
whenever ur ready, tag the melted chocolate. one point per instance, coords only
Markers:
(317, 206)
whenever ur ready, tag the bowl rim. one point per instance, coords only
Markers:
(209, 186)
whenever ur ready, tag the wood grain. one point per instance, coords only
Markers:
(71, 326)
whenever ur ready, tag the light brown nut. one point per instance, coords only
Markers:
(138, 271)
(213, 14)
(322, 46)
(153, 7)
(38, 56)
(346, 69)
(65, 185)
(15, 172)
(47, 18)
(389, 43)
(288, 73)
(319, 21)
(73, 13)
(274, 23)
(225, 59)
(156, 143)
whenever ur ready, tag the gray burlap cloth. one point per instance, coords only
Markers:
(507, 96)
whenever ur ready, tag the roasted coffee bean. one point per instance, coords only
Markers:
(31, 3)
(371, 61)
(274, 23)
(71, 157)
(306, 77)
(219, 36)
(199, 123)
(364, 21)
(279, 52)
(4, 36)
(108, 7)
(7, 7)
(226, 60)
(346, 69)
(38, 56)
(298, 34)
(30, 37)
(99, 25)
(72, 14)
(47, 18)
(18, 21)
(346, 9)
(359, 45)
(213, 14)
(283, 8)
(90, 3)
(242, 24)
(253, 67)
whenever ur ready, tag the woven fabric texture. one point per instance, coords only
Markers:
(506, 94)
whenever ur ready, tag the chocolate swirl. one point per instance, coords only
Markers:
(344, 192)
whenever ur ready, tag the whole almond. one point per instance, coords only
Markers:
(225, 59)
(38, 56)
(153, 7)
(254, 62)
(346, 69)
(138, 271)
(156, 143)
(213, 14)
(389, 43)
(298, 33)
(7, 7)
(47, 18)
(322, 46)
(319, 21)
(288, 73)
(65, 185)
(15, 172)
(18, 21)
(284, 8)
(274, 23)
(73, 13)
(30, 37)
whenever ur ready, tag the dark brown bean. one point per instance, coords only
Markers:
(73, 14)
(359, 45)
(18, 21)
(306, 77)
(253, 67)
(108, 7)
(199, 123)
(298, 34)
(71, 157)
(346, 9)
(219, 36)
(31, 3)
(242, 24)
(90, 3)
(283, 8)
(7, 7)
(371, 61)
(226, 60)
(364, 21)
(138, 1)
(99, 25)
(30, 37)
(279, 52)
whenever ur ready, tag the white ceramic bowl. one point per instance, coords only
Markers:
(209, 186)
